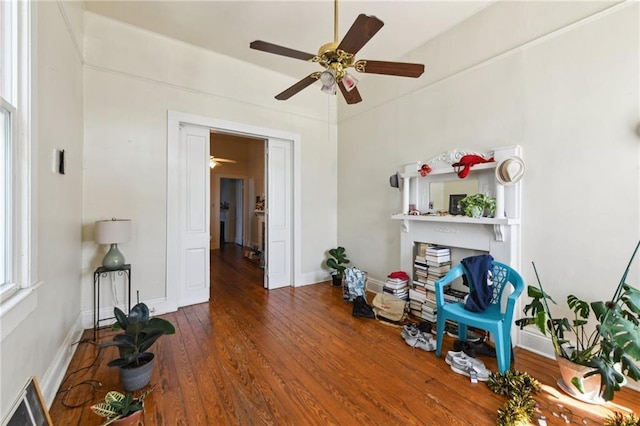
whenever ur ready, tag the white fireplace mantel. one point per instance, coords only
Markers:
(498, 236)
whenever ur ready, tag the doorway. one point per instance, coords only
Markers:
(231, 202)
(283, 237)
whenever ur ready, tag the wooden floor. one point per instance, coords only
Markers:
(298, 357)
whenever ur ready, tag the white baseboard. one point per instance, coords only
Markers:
(374, 285)
(314, 277)
(536, 343)
(57, 370)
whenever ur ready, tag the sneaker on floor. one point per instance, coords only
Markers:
(461, 356)
(410, 330)
(468, 368)
(424, 342)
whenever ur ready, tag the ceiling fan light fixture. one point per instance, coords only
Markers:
(349, 81)
(329, 90)
(328, 77)
(212, 162)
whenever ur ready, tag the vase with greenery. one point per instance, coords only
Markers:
(337, 261)
(118, 408)
(611, 350)
(478, 205)
(140, 332)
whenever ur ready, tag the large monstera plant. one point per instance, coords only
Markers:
(612, 349)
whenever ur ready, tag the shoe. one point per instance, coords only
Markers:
(413, 329)
(467, 367)
(362, 309)
(410, 330)
(481, 348)
(423, 342)
(461, 356)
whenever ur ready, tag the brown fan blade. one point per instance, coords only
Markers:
(279, 50)
(352, 97)
(363, 28)
(402, 69)
(297, 87)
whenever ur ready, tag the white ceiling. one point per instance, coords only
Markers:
(228, 27)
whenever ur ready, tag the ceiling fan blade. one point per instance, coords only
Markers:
(298, 86)
(280, 50)
(363, 28)
(223, 160)
(352, 97)
(403, 69)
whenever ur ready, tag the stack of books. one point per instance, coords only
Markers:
(430, 264)
(397, 287)
(417, 296)
(451, 295)
(438, 260)
(418, 292)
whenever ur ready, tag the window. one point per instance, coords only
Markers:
(14, 144)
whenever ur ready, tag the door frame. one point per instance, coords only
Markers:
(174, 121)
(245, 201)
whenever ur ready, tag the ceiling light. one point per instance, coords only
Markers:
(328, 77)
(212, 162)
(349, 81)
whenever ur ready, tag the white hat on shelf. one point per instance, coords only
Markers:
(510, 170)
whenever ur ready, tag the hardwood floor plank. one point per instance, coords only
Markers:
(297, 356)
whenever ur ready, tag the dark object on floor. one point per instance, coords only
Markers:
(474, 348)
(362, 309)
(424, 327)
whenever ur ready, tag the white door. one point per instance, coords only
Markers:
(278, 214)
(194, 215)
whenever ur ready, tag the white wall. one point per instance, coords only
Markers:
(570, 98)
(39, 346)
(132, 78)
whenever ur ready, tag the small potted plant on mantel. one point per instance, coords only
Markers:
(337, 261)
(478, 205)
(593, 365)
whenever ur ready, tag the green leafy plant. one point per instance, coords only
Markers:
(140, 333)
(117, 405)
(476, 205)
(611, 349)
(337, 261)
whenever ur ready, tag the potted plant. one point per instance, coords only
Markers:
(120, 409)
(139, 333)
(337, 261)
(478, 205)
(608, 353)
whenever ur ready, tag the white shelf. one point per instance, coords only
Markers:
(445, 170)
(457, 219)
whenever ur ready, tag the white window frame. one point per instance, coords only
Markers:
(17, 299)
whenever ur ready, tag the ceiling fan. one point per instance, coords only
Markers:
(214, 161)
(336, 57)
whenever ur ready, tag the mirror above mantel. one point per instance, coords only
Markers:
(439, 192)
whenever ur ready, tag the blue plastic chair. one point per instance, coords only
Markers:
(496, 319)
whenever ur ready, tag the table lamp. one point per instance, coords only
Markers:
(113, 232)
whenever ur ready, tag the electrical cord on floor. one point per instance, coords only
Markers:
(92, 384)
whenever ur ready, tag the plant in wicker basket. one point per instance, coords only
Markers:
(117, 406)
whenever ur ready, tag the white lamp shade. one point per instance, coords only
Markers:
(113, 231)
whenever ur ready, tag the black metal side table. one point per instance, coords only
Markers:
(103, 272)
